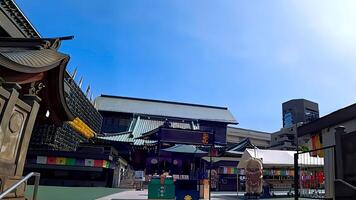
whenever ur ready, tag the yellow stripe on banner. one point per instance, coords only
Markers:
(78, 125)
(60, 161)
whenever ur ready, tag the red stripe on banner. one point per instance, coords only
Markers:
(51, 160)
(98, 163)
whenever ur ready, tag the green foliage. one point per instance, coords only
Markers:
(303, 148)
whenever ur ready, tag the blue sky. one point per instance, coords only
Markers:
(247, 55)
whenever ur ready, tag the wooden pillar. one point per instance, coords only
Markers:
(17, 118)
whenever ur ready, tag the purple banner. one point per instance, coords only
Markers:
(181, 136)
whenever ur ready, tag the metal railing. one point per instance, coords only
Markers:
(16, 185)
(309, 176)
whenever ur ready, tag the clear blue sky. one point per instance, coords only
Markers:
(247, 55)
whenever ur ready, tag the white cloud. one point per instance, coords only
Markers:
(333, 22)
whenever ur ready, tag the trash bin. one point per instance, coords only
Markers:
(187, 189)
(156, 190)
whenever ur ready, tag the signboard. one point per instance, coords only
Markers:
(254, 176)
(186, 136)
(139, 176)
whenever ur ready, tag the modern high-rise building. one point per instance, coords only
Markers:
(299, 110)
(294, 113)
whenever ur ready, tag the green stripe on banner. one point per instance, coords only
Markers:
(106, 164)
(70, 161)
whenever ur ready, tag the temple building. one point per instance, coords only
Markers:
(40, 108)
(46, 119)
(135, 127)
(50, 126)
(132, 122)
(143, 130)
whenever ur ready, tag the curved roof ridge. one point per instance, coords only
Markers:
(19, 19)
(163, 101)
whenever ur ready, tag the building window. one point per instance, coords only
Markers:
(288, 119)
(116, 124)
(310, 115)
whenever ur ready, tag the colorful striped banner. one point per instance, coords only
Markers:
(277, 172)
(228, 170)
(72, 162)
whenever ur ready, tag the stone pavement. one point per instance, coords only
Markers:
(142, 195)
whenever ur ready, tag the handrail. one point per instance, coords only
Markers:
(28, 176)
(347, 184)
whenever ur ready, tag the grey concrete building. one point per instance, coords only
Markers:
(285, 138)
(258, 138)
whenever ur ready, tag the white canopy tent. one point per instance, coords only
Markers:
(279, 158)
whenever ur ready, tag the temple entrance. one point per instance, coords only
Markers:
(28, 91)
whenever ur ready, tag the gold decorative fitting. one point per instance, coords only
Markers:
(81, 127)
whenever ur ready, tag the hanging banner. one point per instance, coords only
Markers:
(316, 143)
(71, 161)
(181, 136)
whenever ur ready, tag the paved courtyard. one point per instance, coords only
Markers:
(142, 195)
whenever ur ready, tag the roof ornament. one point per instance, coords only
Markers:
(35, 88)
(74, 74)
(80, 82)
(46, 44)
(56, 44)
(87, 91)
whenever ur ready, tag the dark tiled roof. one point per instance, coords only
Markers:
(31, 61)
(143, 125)
(164, 109)
(240, 147)
(13, 12)
(31, 55)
